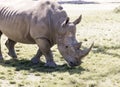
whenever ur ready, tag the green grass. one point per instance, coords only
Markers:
(101, 68)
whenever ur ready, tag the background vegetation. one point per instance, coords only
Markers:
(101, 68)
(117, 9)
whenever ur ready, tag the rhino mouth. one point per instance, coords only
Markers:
(72, 64)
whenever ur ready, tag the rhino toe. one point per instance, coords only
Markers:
(51, 64)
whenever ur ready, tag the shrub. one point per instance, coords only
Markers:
(117, 9)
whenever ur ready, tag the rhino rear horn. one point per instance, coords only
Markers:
(85, 52)
(78, 45)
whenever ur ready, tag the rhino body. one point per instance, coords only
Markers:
(24, 21)
(41, 22)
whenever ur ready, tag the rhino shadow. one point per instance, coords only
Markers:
(24, 64)
(104, 50)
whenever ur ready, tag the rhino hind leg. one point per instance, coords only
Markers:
(36, 58)
(1, 57)
(10, 45)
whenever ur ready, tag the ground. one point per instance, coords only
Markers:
(101, 68)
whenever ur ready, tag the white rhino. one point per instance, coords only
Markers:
(44, 23)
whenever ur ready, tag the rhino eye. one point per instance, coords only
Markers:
(66, 46)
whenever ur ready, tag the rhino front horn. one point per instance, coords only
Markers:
(85, 52)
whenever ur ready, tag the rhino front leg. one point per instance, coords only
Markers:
(49, 59)
(36, 58)
(1, 57)
(10, 45)
(44, 46)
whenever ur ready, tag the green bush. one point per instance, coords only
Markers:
(117, 9)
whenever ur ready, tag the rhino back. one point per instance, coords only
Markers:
(17, 18)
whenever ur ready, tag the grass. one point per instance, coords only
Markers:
(101, 68)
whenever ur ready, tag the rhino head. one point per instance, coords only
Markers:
(68, 46)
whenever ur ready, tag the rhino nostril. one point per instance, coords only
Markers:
(71, 63)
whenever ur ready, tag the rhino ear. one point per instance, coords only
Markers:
(65, 22)
(77, 21)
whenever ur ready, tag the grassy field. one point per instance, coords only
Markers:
(101, 68)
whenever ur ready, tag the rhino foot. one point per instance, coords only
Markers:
(35, 60)
(50, 64)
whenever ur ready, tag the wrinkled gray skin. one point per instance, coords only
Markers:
(44, 23)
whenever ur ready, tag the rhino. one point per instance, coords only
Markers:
(41, 22)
